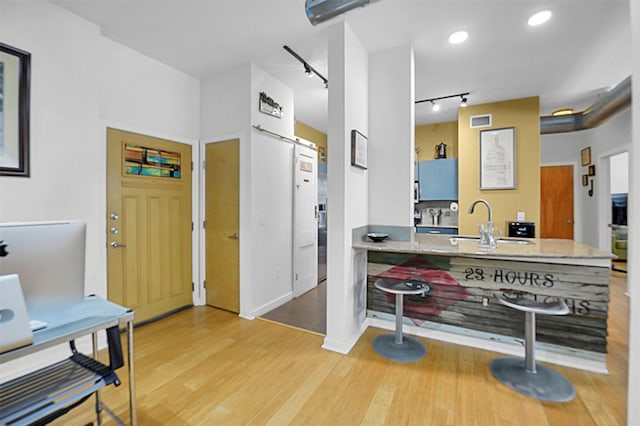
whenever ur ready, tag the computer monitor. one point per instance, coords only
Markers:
(49, 258)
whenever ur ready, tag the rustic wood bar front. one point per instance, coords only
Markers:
(464, 277)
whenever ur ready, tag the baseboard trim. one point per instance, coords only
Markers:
(344, 347)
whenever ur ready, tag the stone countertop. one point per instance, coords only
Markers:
(540, 250)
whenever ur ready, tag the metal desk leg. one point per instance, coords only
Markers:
(94, 341)
(132, 377)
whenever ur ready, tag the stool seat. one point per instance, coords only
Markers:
(524, 375)
(517, 300)
(401, 287)
(397, 346)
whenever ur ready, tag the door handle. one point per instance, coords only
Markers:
(115, 245)
(569, 221)
(234, 236)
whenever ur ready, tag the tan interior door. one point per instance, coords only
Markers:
(556, 204)
(222, 215)
(148, 224)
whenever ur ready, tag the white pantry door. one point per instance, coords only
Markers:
(305, 220)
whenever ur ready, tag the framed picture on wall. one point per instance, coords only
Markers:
(358, 149)
(585, 156)
(585, 180)
(15, 68)
(498, 159)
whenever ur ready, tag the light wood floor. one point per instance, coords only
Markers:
(204, 366)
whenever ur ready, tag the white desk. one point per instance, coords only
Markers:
(71, 321)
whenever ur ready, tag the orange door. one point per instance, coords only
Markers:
(556, 202)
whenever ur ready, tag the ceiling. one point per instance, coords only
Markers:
(571, 60)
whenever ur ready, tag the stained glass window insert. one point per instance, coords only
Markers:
(143, 161)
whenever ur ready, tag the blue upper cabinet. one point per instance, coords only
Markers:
(438, 179)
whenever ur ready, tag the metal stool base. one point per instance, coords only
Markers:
(409, 350)
(545, 384)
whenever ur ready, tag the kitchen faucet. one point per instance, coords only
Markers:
(487, 238)
(473, 206)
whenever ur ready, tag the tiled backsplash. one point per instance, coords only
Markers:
(447, 217)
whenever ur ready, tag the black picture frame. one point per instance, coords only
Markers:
(585, 180)
(592, 170)
(15, 76)
(358, 150)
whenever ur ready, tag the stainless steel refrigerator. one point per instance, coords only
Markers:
(322, 221)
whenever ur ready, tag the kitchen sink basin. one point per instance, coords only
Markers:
(459, 238)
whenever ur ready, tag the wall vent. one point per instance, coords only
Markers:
(480, 121)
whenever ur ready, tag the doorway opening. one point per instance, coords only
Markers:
(618, 201)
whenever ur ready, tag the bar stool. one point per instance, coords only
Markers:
(398, 347)
(524, 375)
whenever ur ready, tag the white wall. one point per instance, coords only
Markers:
(633, 275)
(272, 224)
(229, 105)
(224, 115)
(612, 137)
(272, 197)
(392, 137)
(347, 187)
(224, 103)
(80, 82)
(620, 173)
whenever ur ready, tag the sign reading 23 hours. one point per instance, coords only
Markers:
(502, 276)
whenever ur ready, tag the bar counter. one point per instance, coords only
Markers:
(464, 277)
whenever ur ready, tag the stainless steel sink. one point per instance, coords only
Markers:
(460, 238)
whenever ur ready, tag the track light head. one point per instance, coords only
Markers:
(435, 107)
(307, 70)
(463, 103)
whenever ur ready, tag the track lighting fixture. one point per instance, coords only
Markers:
(308, 69)
(436, 107)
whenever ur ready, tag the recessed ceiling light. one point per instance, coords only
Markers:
(458, 37)
(539, 18)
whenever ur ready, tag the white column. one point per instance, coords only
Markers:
(347, 188)
(392, 136)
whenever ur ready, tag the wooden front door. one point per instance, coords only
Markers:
(148, 223)
(556, 202)
(222, 216)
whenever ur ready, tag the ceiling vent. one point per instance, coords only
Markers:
(480, 121)
(322, 10)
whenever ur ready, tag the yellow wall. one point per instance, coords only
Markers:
(524, 115)
(430, 135)
(312, 135)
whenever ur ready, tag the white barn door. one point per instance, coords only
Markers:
(305, 220)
